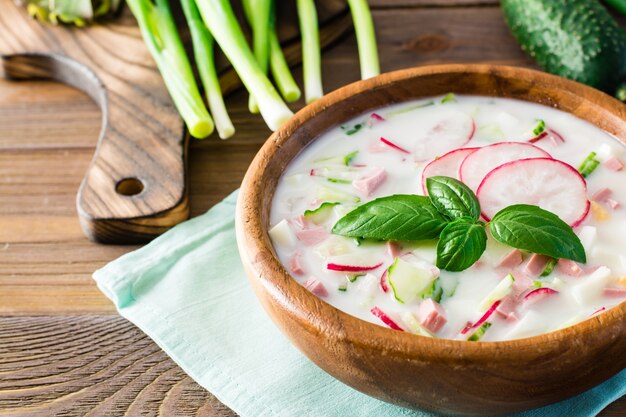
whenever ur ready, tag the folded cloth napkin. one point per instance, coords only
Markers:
(187, 290)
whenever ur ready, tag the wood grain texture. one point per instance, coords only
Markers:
(46, 263)
(135, 186)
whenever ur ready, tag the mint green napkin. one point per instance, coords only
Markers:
(188, 292)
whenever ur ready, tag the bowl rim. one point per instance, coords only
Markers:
(259, 258)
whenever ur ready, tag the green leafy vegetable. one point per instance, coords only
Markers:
(351, 130)
(541, 126)
(460, 245)
(397, 217)
(589, 165)
(536, 230)
(453, 198)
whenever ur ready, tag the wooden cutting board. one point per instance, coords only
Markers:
(136, 185)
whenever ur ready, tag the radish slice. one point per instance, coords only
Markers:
(383, 281)
(351, 268)
(550, 184)
(393, 145)
(483, 160)
(483, 319)
(451, 129)
(385, 318)
(446, 165)
(538, 294)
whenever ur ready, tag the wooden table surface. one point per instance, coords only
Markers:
(63, 349)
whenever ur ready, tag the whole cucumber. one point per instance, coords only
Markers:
(576, 39)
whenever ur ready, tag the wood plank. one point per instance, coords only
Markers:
(101, 366)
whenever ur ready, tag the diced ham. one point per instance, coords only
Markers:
(511, 259)
(312, 236)
(294, 264)
(612, 203)
(614, 292)
(569, 267)
(301, 221)
(316, 287)
(431, 315)
(614, 164)
(521, 285)
(602, 195)
(536, 264)
(371, 181)
(508, 306)
(393, 249)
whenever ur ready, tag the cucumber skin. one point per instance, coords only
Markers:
(576, 39)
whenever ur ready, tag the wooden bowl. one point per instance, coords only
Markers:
(446, 376)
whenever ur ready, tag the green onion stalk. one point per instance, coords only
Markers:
(219, 17)
(161, 37)
(279, 66)
(311, 54)
(365, 37)
(258, 14)
(203, 52)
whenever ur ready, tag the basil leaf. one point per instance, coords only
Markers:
(397, 217)
(461, 244)
(453, 198)
(537, 230)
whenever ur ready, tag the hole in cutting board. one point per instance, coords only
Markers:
(129, 186)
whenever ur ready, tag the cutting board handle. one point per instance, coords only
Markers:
(135, 187)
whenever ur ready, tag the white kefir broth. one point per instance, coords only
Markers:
(405, 125)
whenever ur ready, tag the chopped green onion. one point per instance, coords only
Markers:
(541, 126)
(351, 130)
(549, 267)
(589, 165)
(365, 37)
(258, 13)
(339, 181)
(203, 53)
(347, 160)
(408, 109)
(161, 37)
(311, 53)
(450, 97)
(480, 332)
(537, 284)
(342, 287)
(353, 278)
(219, 17)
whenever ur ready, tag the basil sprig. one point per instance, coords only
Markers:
(461, 243)
(536, 230)
(453, 198)
(397, 217)
(451, 213)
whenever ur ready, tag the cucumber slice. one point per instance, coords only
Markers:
(414, 326)
(499, 292)
(320, 214)
(332, 194)
(408, 281)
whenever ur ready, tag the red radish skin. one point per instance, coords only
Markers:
(538, 294)
(545, 182)
(483, 319)
(600, 310)
(383, 281)
(556, 137)
(446, 165)
(351, 268)
(452, 130)
(479, 163)
(393, 145)
(385, 319)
